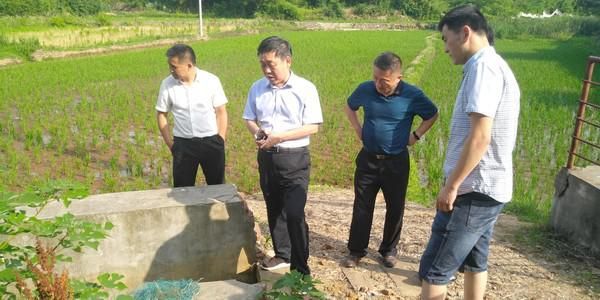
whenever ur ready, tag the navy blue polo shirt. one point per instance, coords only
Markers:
(388, 120)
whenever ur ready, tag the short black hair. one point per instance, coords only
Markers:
(281, 47)
(388, 61)
(468, 15)
(182, 51)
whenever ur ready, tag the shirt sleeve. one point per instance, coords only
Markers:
(250, 108)
(355, 99)
(312, 113)
(423, 106)
(219, 95)
(483, 90)
(163, 102)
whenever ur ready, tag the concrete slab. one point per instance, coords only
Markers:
(590, 174)
(200, 233)
(576, 206)
(229, 290)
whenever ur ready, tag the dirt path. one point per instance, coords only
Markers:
(515, 273)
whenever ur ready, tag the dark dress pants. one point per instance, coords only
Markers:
(372, 174)
(208, 152)
(284, 178)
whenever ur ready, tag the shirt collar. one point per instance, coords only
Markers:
(196, 78)
(477, 56)
(292, 80)
(397, 91)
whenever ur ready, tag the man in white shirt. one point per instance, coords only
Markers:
(478, 166)
(197, 101)
(282, 111)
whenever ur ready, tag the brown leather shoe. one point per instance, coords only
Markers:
(350, 261)
(274, 263)
(389, 261)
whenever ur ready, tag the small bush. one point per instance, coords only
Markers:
(333, 9)
(25, 47)
(294, 285)
(64, 20)
(84, 7)
(367, 10)
(279, 9)
(103, 20)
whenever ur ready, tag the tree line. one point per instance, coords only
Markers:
(296, 9)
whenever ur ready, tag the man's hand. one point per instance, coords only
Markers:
(411, 139)
(272, 140)
(445, 199)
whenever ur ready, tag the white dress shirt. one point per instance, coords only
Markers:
(282, 109)
(193, 106)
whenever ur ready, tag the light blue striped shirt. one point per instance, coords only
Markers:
(489, 87)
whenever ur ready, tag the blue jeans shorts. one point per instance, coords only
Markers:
(460, 239)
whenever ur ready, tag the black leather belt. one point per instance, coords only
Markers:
(385, 156)
(277, 149)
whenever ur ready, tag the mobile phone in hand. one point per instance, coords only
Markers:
(260, 135)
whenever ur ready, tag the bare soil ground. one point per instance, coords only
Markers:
(517, 270)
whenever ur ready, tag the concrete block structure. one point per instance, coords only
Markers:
(201, 233)
(576, 206)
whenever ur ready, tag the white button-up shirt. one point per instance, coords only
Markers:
(193, 106)
(281, 109)
(489, 87)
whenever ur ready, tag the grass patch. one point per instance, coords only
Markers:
(576, 263)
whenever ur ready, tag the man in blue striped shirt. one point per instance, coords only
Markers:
(478, 166)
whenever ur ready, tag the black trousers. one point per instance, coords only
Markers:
(389, 174)
(208, 152)
(284, 178)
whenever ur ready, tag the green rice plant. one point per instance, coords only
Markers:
(117, 92)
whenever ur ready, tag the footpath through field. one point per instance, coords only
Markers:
(516, 272)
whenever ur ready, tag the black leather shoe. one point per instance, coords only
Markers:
(389, 261)
(351, 261)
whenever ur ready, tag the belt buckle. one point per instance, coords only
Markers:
(380, 156)
(274, 149)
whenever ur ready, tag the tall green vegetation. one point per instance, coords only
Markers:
(296, 9)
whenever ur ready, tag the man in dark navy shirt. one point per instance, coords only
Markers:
(389, 106)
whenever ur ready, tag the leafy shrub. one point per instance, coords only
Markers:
(25, 47)
(50, 7)
(294, 285)
(422, 9)
(103, 20)
(333, 9)
(64, 20)
(84, 7)
(19, 263)
(22, 7)
(232, 8)
(279, 9)
(368, 10)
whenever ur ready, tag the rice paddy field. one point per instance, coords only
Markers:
(92, 119)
